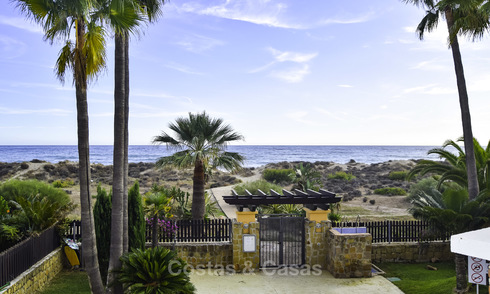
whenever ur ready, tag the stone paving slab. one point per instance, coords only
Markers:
(280, 282)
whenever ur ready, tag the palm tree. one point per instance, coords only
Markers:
(305, 177)
(85, 58)
(453, 168)
(451, 12)
(452, 212)
(200, 142)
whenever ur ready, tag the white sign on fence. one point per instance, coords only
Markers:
(477, 271)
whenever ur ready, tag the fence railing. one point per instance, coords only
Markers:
(214, 230)
(399, 231)
(25, 254)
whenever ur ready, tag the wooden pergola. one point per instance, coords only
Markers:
(312, 200)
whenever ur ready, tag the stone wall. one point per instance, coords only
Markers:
(349, 255)
(207, 254)
(245, 261)
(38, 275)
(412, 252)
(316, 246)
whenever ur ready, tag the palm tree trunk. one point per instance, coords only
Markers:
(88, 233)
(461, 270)
(154, 231)
(198, 191)
(118, 168)
(126, 144)
(472, 175)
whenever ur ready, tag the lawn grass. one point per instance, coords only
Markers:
(415, 278)
(68, 281)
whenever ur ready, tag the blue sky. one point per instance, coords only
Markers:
(279, 71)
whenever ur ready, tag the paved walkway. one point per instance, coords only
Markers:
(294, 283)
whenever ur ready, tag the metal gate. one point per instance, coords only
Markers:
(282, 241)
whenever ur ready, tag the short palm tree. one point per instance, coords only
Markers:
(156, 203)
(200, 142)
(306, 177)
(453, 168)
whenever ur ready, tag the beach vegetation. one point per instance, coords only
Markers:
(305, 177)
(63, 183)
(280, 176)
(341, 175)
(391, 191)
(153, 271)
(200, 142)
(255, 186)
(295, 209)
(398, 175)
(335, 217)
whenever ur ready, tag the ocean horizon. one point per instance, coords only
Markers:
(255, 155)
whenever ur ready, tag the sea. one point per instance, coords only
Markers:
(255, 155)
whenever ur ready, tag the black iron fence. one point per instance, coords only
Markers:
(399, 231)
(25, 254)
(214, 230)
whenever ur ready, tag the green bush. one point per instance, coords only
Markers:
(155, 270)
(334, 217)
(398, 175)
(252, 187)
(277, 175)
(341, 175)
(102, 222)
(392, 191)
(136, 218)
(426, 185)
(63, 184)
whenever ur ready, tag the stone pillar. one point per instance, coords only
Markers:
(317, 215)
(245, 261)
(316, 247)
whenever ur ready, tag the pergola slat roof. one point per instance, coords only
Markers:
(310, 199)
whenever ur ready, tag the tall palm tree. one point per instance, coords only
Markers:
(451, 12)
(85, 58)
(200, 142)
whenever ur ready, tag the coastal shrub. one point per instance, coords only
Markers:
(398, 175)
(63, 184)
(306, 177)
(425, 185)
(341, 175)
(252, 187)
(34, 205)
(391, 191)
(277, 175)
(102, 222)
(334, 217)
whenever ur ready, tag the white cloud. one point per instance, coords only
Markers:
(345, 86)
(432, 89)
(266, 12)
(292, 75)
(300, 117)
(199, 44)
(286, 72)
(340, 116)
(182, 68)
(20, 23)
(432, 65)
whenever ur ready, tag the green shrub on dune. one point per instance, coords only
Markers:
(277, 175)
(398, 175)
(252, 187)
(341, 175)
(392, 191)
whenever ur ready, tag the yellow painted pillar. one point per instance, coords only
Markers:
(317, 215)
(246, 217)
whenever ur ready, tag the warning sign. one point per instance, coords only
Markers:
(477, 270)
